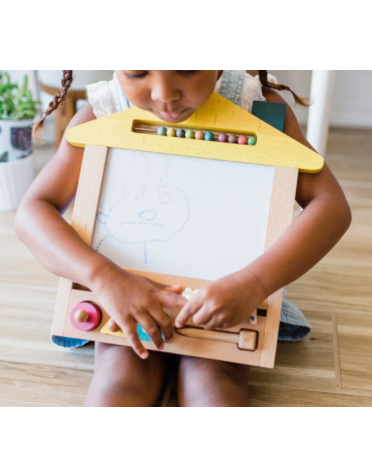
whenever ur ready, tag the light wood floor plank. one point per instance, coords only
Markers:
(18, 265)
(263, 396)
(25, 324)
(41, 385)
(355, 341)
(308, 364)
(334, 287)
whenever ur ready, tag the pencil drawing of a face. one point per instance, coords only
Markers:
(146, 215)
(147, 209)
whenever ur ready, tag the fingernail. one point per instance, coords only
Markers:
(161, 347)
(144, 355)
(177, 324)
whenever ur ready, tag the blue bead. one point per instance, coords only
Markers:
(162, 131)
(208, 136)
(180, 133)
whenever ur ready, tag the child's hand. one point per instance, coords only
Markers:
(130, 299)
(223, 303)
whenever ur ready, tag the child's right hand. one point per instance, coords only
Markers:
(130, 299)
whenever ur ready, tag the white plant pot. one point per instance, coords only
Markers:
(81, 77)
(15, 178)
(15, 140)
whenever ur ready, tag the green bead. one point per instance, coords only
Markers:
(252, 140)
(180, 133)
(190, 134)
(208, 136)
(162, 131)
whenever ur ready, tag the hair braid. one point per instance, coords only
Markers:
(66, 82)
(281, 87)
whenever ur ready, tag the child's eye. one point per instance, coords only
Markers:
(188, 72)
(135, 75)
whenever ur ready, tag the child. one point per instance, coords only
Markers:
(120, 377)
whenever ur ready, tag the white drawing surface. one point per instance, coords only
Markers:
(182, 216)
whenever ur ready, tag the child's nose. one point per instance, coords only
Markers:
(147, 215)
(164, 92)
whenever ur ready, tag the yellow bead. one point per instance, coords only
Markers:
(171, 132)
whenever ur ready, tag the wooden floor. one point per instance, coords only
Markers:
(331, 367)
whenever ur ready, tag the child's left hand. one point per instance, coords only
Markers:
(223, 303)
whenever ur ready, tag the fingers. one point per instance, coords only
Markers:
(167, 299)
(164, 322)
(203, 317)
(174, 288)
(148, 324)
(188, 311)
(130, 331)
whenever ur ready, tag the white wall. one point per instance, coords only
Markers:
(352, 101)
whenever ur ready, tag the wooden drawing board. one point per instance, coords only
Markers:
(244, 185)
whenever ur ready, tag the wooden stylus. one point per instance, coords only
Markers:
(246, 340)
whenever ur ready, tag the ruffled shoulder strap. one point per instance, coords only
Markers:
(252, 91)
(241, 88)
(106, 97)
(100, 96)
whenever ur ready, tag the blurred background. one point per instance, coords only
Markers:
(331, 367)
(351, 103)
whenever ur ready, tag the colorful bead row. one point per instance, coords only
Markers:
(208, 136)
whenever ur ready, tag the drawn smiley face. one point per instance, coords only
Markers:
(149, 214)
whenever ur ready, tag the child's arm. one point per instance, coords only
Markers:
(126, 297)
(325, 218)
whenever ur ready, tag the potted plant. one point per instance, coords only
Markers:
(17, 114)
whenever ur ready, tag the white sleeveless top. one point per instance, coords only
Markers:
(103, 95)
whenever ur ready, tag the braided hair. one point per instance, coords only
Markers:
(66, 82)
(281, 87)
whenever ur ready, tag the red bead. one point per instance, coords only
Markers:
(242, 140)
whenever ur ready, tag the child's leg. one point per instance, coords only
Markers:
(121, 378)
(209, 383)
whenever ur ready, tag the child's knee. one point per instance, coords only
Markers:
(110, 389)
(121, 378)
(206, 382)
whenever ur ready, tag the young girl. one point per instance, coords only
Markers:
(123, 377)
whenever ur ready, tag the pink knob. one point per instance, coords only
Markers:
(86, 316)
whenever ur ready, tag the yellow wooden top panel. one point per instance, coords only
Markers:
(217, 115)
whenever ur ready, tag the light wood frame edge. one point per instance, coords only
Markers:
(280, 217)
(83, 219)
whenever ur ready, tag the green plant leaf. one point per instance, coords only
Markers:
(23, 89)
(16, 103)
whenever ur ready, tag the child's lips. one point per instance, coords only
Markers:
(171, 115)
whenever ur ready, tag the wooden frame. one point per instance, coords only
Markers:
(83, 221)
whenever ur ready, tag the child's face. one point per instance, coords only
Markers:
(171, 95)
